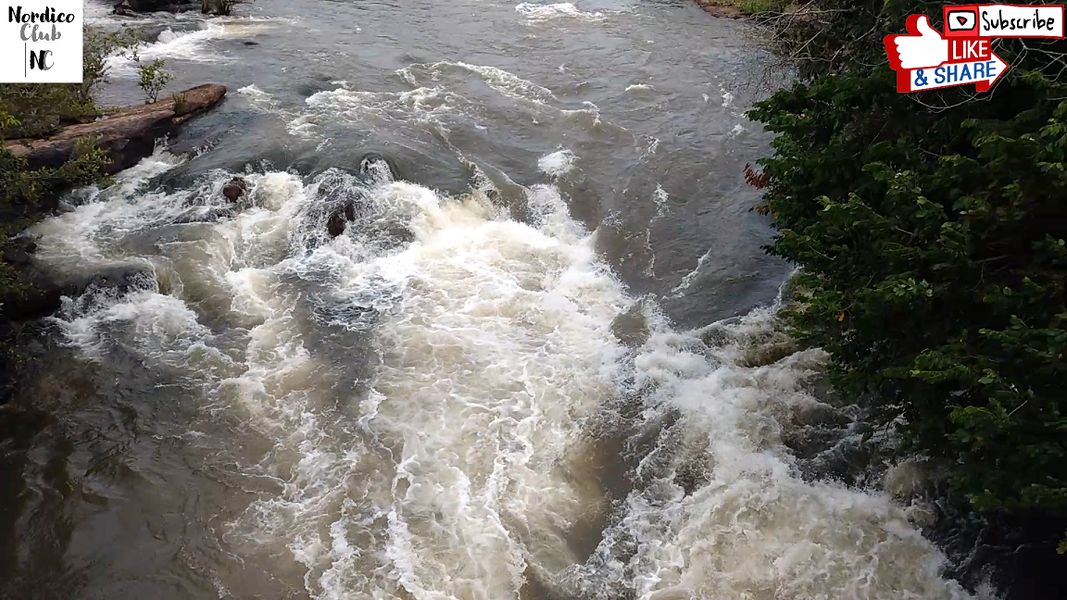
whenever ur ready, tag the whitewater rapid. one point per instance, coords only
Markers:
(459, 465)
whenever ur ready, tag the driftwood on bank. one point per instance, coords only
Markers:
(126, 136)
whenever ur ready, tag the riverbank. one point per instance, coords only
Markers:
(940, 297)
(125, 136)
(739, 9)
(35, 171)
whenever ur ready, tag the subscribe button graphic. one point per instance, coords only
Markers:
(926, 59)
(1004, 21)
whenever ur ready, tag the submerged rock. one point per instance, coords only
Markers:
(122, 279)
(36, 293)
(123, 9)
(336, 224)
(235, 189)
(126, 136)
(19, 251)
(376, 165)
(216, 7)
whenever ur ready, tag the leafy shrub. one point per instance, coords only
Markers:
(931, 233)
(152, 78)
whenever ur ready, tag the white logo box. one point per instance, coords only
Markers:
(41, 41)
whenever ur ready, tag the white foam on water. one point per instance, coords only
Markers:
(497, 353)
(661, 199)
(539, 13)
(427, 106)
(751, 528)
(502, 81)
(510, 84)
(434, 101)
(258, 98)
(181, 45)
(74, 241)
(688, 278)
(650, 149)
(464, 468)
(158, 327)
(557, 164)
(638, 87)
(192, 45)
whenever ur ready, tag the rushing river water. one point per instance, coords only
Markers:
(540, 363)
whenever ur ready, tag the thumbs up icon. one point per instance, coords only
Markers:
(921, 48)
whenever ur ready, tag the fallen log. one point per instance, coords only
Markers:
(126, 136)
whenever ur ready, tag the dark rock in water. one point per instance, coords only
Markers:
(34, 295)
(150, 33)
(236, 188)
(309, 89)
(37, 294)
(128, 7)
(210, 215)
(336, 224)
(350, 210)
(123, 9)
(216, 7)
(19, 251)
(251, 43)
(121, 279)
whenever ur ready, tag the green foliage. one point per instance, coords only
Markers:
(931, 233)
(38, 110)
(43, 108)
(762, 7)
(752, 7)
(181, 104)
(152, 78)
